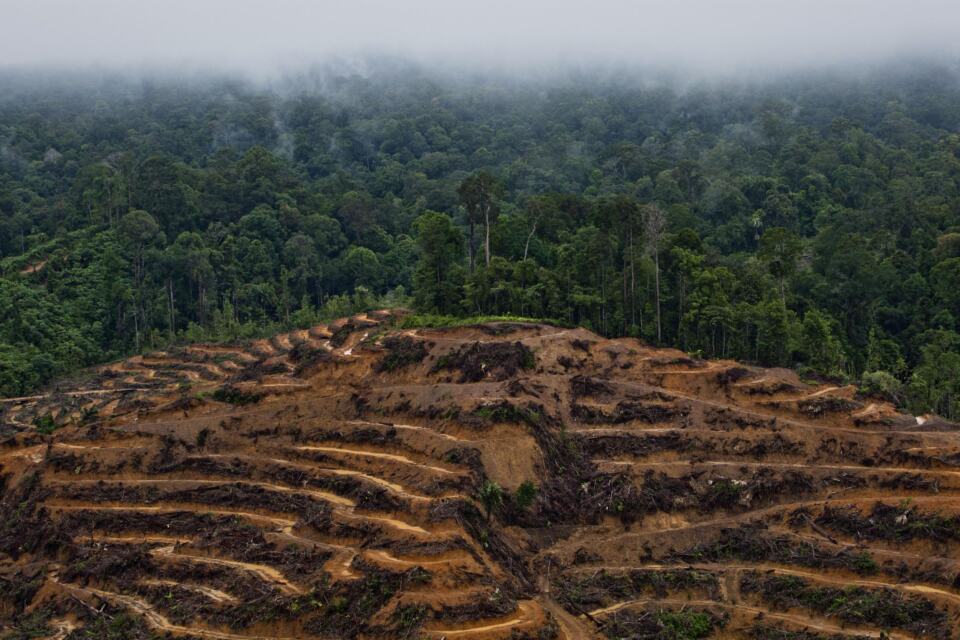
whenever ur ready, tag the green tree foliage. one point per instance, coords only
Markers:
(490, 495)
(779, 249)
(819, 348)
(935, 383)
(438, 275)
(525, 494)
(790, 223)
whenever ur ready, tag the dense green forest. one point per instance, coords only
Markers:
(810, 221)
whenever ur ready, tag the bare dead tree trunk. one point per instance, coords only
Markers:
(654, 224)
(633, 284)
(624, 295)
(533, 230)
(136, 330)
(486, 242)
(472, 245)
(681, 293)
(171, 307)
(656, 263)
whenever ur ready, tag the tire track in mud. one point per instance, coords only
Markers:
(134, 539)
(572, 627)
(220, 597)
(783, 465)
(897, 554)
(755, 514)
(384, 556)
(345, 512)
(375, 454)
(781, 419)
(72, 394)
(522, 615)
(146, 481)
(102, 447)
(823, 577)
(179, 508)
(156, 619)
(172, 549)
(314, 467)
(262, 571)
(411, 427)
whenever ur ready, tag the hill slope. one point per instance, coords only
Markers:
(325, 483)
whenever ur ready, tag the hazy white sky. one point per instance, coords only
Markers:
(261, 34)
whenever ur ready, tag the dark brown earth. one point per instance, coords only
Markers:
(325, 483)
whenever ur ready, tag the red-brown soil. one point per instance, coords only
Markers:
(324, 484)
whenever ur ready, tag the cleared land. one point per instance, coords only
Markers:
(325, 484)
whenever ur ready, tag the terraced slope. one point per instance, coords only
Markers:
(326, 484)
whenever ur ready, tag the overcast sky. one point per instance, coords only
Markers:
(264, 34)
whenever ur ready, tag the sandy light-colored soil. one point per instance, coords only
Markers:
(326, 484)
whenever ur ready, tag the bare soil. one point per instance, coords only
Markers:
(326, 484)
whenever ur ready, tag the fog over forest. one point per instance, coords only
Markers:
(774, 182)
(260, 37)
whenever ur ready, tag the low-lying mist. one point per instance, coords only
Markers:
(534, 37)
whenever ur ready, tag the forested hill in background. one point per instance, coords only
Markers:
(811, 222)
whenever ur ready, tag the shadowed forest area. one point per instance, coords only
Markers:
(810, 221)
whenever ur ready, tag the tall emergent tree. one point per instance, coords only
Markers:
(780, 249)
(138, 229)
(654, 225)
(478, 195)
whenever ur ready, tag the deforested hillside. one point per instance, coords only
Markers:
(499, 480)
